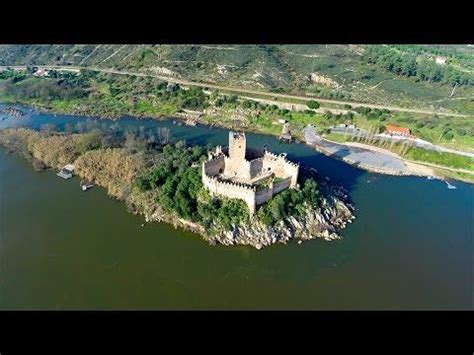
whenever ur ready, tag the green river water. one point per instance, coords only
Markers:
(409, 248)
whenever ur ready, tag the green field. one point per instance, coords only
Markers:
(446, 159)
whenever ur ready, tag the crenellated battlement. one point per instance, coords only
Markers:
(224, 183)
(234, 176)
(281, 157)
(214, 159)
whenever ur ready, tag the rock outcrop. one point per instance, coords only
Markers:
(321, 222)
(325, 222)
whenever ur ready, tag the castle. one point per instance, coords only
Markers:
(255, 181)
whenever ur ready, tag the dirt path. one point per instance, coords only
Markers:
(383, 81)
(113, 54)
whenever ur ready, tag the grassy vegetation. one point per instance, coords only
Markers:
(92, 153)
(108, 95)
(412, 63)
(336, 137)
(445, 159)
(403, 75)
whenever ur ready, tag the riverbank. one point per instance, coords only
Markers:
(417, 168)
(379, 160)
(381, 164)
(316, 210)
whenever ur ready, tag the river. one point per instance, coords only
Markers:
(409, 248)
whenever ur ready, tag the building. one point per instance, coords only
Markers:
(41, 72)
(255, 179)
(399, 131)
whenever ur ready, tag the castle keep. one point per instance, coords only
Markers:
(255, 180)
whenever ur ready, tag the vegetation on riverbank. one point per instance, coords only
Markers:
(328, 71)
(108, 95)
(406, 150)
(163, 182)
(113, 96)
(441, 158)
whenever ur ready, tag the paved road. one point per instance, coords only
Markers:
(241, 90)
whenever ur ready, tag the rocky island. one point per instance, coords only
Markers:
(229, 195)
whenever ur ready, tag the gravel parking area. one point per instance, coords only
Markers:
(365, 158)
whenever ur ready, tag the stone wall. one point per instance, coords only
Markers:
(281, 185)
(231, 190)
(281, 167)
(267, 193)
(263, 195)
(255, 167)
(214, 166)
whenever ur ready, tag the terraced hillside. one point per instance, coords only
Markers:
(402, 75)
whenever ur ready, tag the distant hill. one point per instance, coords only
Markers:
(402, 75)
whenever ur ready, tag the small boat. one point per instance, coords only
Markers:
(66, 171)
(430, 177)
(86, 185)
(451, 187)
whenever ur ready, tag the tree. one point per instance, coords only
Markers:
(314, 105)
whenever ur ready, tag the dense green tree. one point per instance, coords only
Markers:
(314, 105)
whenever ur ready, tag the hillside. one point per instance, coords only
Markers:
(401, 75)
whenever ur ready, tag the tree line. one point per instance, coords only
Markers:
(411, 65)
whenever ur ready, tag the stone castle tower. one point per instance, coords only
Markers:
(235, 163)
(237, 145)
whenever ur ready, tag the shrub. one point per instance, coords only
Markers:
(314, 105)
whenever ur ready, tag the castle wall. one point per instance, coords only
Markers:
(263, 195)
(281, 167)
(231, 190)
(281, 185)
(215, 166)
(267, 193)
(292, 170)
(255, 167)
